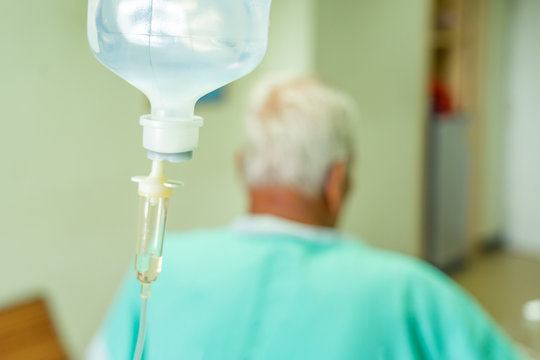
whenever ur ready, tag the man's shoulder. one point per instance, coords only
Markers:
(345, 254)
(197, 233)
(197, 237)
(388, 263)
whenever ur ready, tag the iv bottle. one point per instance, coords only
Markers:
(176, 51)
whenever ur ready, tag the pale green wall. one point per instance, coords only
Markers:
(70, 141)
(495, 112)
(523, 131)
(378, 51)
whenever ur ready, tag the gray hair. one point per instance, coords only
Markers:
(296, 129)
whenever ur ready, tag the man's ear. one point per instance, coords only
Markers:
(336, 187)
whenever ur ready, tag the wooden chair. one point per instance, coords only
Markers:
(27, 333)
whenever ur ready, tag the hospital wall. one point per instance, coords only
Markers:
(489, 133)
(68, 146)
(523, 133)
(378, 51)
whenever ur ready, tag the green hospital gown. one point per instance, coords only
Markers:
(232, 293)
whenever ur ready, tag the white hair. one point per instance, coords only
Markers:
(296, 129)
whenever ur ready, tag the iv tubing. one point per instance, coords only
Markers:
(154, 191)
(142, 329)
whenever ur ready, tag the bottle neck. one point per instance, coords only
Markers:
(184, 111)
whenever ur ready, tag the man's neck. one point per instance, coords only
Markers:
(290, 205)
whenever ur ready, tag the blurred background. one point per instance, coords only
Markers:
(448, 166)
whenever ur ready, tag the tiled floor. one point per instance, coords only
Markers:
(502, 283)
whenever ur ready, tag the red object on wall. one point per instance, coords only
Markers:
(441, 98)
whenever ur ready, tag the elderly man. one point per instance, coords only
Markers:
(281, 282)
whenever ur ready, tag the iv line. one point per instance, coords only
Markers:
(155, 191)
(142, 329)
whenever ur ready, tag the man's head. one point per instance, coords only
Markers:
(298, 150)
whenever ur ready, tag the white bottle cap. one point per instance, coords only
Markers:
(170, 136)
